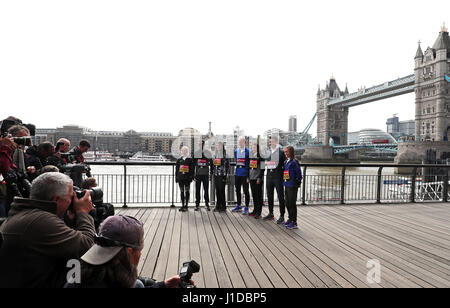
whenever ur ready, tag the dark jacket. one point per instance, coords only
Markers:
(221, 166)
(6, 161)
(76, 155)
(184, 169)
(37, 244)
(275, 164)
(202, 164)
(33, 159)
(57, 161)
(256, 165)
(292, 173)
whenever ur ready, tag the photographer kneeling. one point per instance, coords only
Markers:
(36, 242)
(112, 262)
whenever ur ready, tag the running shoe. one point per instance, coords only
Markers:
(269, 217)
(280, 220)
(292, 226)
(245, 212)
(237, 208)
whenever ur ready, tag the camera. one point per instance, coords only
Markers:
(25, 141)
(186, 272)
(96, 194)
(17, 183)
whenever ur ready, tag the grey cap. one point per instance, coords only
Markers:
(115, 233)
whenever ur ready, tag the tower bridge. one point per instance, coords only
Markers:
(430, 83)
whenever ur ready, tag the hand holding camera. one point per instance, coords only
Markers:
(8, 141)
(82, 204)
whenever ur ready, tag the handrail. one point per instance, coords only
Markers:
(355, 165)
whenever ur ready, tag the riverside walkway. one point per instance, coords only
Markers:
(331, 248)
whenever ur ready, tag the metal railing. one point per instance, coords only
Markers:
(337, 187)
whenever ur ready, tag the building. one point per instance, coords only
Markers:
(432, 90)
(116, 142)
(400, 128)
(292, 124)
(332, 121)
(44, 134)
(371, 135)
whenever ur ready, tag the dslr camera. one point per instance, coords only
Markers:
(101, 210)
(8, 123)
(186, 272)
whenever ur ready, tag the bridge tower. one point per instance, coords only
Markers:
(332, 121)
(433, 90)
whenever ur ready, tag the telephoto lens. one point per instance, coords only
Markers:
(96, 194)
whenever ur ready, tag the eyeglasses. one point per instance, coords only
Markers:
(107, 242)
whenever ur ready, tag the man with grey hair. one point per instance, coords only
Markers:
(36, 242)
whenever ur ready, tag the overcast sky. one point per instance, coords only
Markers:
(166, 65)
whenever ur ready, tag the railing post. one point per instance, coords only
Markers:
(445, 187)
(124, 186)
(413, 185)
(343, 185)
(173, 186)
(304, 186)
(380, 170)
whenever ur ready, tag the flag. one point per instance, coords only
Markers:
(447, 78)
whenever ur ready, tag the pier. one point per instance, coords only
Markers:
(331, 248)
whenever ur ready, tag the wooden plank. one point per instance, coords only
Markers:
(431, 249)
(264, 254)
(194, 247)
(245, 271)
(151, 221)
(174, 251)
(357, 259)
(162, 259)
(151, 257)
(353, 236)
(264, 279)
(383, 223)
(185, 254)
(318, 272)
(234, 274)
(223, 279)
(206, 259)
(265, 238)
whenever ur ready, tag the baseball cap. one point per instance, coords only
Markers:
(115, 233)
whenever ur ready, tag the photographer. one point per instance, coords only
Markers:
(36, 157)
(59, 159)
(112, 262)
(15, 174)
(36, 242)
(76, 166)
(77, 152)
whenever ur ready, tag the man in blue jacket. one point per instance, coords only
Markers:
(292, 178)
(242, 157)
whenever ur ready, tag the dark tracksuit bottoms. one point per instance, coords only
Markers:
(198, 185)
(241, 181)
(257, 195)
(277, 184)
(219, 184)
(291, 202)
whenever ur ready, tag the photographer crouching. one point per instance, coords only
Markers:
(112, 262)
(36, 242)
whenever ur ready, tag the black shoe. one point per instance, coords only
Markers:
(216, 210)
(207, 208)
(197, 208)
(181, 209)
(268, 217)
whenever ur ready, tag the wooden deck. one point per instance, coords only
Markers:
(330, 249)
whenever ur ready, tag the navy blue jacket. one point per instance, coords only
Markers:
(292, 173)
